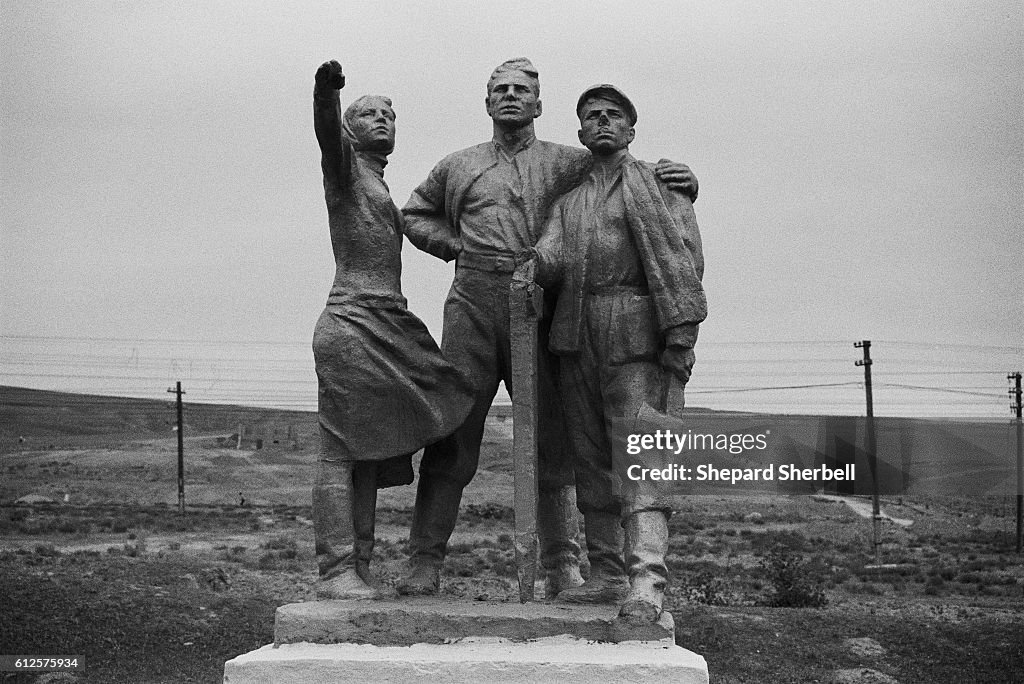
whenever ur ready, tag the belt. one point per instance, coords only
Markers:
(493, 263)
(368, 300)
(620, 290)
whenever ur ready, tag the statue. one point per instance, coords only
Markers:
(385, 391)
(624, 253)
(483, 206)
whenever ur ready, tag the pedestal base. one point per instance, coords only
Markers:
(553, 659)
(437, 621)
(432, 640)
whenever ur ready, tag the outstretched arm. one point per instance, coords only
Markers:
(336, 152)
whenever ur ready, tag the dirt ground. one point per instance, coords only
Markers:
(767, 588)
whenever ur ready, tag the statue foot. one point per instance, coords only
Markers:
(566, 576)
(639, 612)
(423, 580)
(597, 589)
(348, 585)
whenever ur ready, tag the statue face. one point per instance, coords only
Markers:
(604, 126)
(512, 101)
(374, 125)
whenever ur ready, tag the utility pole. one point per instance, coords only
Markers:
(876, 514)
(1015, 392)
(181, 450)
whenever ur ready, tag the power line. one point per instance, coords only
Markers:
(942, 389)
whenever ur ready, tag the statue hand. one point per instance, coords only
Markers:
(525, 255)
(329, 75)
(526, 269)
(677, 177)
(679, 360)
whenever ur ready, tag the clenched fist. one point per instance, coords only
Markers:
(329, 75)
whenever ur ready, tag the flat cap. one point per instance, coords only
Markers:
(610, 92)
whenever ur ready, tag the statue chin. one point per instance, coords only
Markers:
(377, 145)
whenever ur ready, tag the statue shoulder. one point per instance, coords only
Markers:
(567, 153)
(467, 158)
(568, 165)
(468, 154)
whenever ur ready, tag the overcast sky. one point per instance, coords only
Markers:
(860, 164)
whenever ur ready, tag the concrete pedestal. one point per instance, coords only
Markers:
(439, 621)
(433, 640)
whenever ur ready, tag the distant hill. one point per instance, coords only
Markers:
(42, 413)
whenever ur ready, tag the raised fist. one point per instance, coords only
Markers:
(329, 75)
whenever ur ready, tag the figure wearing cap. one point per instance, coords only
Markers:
(483, 206)
(623, 252)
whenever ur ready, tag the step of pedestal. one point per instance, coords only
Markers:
(437, 621)
(564, 660)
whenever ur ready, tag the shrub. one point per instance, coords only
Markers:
(794, 584)
(711, 589)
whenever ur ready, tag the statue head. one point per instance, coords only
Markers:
(369, 124)
(513, 94)
(607, 118)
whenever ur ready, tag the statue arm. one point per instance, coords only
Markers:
(548, 251)
(680, 340)
(335, 150)
(426, 222)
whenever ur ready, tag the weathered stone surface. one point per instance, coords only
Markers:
(526, 302)
(437, 621)
(558, 659)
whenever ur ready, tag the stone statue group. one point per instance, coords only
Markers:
(613, 241)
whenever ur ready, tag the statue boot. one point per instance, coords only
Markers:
(433, 519)
(607, 582)
(558, 529)
(645, 549)
(343, 527)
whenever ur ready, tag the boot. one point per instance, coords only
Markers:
(607, 583)
(558, 529)
(424, 579)
(348, 585)
(433, 520)
(646, 546)
(340, 508)
(364, 523)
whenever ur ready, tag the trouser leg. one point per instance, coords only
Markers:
(644, 509)
(469, 341)
(594, 489)
(558, 531)
(364, 516)
(558, 527)
(445, 470)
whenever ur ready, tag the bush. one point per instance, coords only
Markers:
(707, 588)
(794, 584)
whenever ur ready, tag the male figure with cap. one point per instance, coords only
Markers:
(483, 206)
(624, 253)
